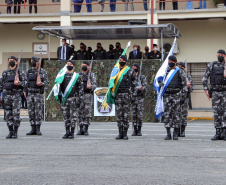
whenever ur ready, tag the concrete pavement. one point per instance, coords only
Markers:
(100, 159)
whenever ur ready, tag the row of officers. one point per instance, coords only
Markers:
(65, 52)
(78, 105)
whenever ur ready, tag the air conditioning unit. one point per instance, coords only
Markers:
(168, 46)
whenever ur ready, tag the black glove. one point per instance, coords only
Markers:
(133, 100)
(182, 101)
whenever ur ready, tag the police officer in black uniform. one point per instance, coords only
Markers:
(100, 53)
(117, 52)
(155, 54)
(110, 52)
(82, 54)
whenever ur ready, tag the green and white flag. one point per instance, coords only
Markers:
(68, 88)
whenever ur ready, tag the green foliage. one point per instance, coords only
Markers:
(102, 69)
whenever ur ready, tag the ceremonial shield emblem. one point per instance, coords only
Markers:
(99, 109)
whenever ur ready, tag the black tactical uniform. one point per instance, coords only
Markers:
(117, 53)
(100, 54)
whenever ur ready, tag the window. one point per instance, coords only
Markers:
(24, 64)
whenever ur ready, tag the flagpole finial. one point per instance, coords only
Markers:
(129, 43)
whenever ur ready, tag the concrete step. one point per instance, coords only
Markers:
(200, 114)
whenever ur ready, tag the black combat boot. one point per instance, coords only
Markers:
(155, 121)
(71, 136)
(168, 136)
(223, 135)
(67, 133)
(125, 130)
(15, 130)
(38, 132)
(80, 132)
(10, 132)
(179, 132)
(217, 136)
(33, 130)
(175, 133)
(182, 134)
(139, 131)
(120, 130)
(135, 131)
(85, 130)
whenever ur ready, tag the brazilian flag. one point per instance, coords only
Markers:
(115, 79)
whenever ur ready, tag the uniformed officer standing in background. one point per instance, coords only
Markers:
(215, 70)
(34, 94)
(123, 97)
(138, 102)
(184, 106)
(110, 52)
(12, 95)
(87, 103)
(174, 96)
(82, 53)
(117, 51)
(100, 53)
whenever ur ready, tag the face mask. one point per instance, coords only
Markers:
(62, 43)
(69, 68)
(146, 50)
(98, 47)
(81, 47)
(136, 70)
(122, 63)
(163, 50)
(110, 48)
(84, 68)
(171, 64)
(220, 58)
(12, 63)
(33, 64)
(134, 49)
(117, 46)
(155, 49)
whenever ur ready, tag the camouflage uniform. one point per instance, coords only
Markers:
(122, 102)
(85, 111)
(69, 108)
(138, 104)
(172, 103)
(218, 88)
(184, 106)
(12, 97)
(35, 97)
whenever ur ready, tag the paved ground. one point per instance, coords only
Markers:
(100, 159)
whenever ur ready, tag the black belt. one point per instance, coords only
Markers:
(123, 91)
(11, 92)
(172, 92)
(34, 91)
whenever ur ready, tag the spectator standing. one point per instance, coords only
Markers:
(143, 55)
(189, 5)
(112, 5)
(102, 4)
(35, 6)
(175, 5)
(135, 54)
(64, 51)
(162, 4)
(202, 6)
(77, 7)
(155, 54)
(90, 52)
(82, 54)
(72, 49)
(147, 53)
(145, 5)
(9, 5)
(89, 5)
(17, 4)
(130, 3)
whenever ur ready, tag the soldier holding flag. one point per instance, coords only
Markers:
(68, 85)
